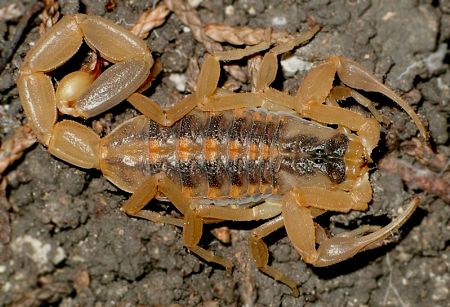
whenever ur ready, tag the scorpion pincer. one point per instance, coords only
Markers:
(218, 155)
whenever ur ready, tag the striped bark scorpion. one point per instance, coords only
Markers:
(218, 155)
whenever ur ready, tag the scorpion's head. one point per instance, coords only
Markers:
(311, 154)
(324, 156)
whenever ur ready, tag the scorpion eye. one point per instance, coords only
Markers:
(320, 152)
(318, 160)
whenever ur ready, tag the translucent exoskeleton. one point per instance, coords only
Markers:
(218, 155)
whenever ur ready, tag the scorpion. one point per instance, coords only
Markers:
(218, 155)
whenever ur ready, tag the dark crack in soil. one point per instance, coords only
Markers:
(64, 241)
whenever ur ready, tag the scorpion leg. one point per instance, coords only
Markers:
(192, 233)
(149, 189)
(301, 231)
(261, 211)
(357, 77)
(192, 223)
(237, 54)
(143, 195)
(229, 101)
(206, 86)
(164, 117)
(263, 94)
(313, 91)
(318, 84)
(260, 252)
(342, 92)
(266, 75)
(318, 197)
(367, 128)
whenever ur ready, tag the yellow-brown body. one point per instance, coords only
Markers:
(230, 157)
(218, 155)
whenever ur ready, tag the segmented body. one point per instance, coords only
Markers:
(231, 157)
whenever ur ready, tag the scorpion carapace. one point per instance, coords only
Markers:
(218, 155)
(309, 155)
(238, 156)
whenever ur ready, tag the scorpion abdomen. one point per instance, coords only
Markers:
(231, 157)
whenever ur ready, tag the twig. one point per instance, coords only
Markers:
(30, 11)
(421, 178)
(149, 20)
(422, 152)
(244, 35)
(13, 148)
(190, 18)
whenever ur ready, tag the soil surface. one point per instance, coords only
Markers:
(64, 241)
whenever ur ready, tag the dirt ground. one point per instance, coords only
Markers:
(63, 240)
